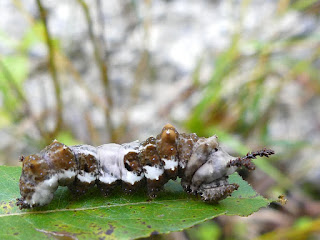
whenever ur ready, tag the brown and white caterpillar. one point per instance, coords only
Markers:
(201, 163)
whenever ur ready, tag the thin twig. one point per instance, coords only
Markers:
(101, 23)
(93, 133)
(53, 70)
(99, 58)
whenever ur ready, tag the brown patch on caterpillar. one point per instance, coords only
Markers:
(88, 163)
(168, 137)
(59, 156)
(135, 180)
(152, 167)
(87, 169)
(149, 154)
(132, 162)
(184, 147)
(167, 150)
(35, 168)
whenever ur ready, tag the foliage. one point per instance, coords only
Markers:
(118, 216)
(236, 109)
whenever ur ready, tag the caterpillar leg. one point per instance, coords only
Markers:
(80, 188)
(107, 188)
(21, 203)
(216, 191)
(154, 187)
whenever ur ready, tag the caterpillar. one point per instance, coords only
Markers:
(201, 163)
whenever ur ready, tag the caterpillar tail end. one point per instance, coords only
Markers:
(246, 161)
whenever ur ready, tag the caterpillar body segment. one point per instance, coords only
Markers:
(201, 163)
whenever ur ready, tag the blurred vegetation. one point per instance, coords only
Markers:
(237, 110)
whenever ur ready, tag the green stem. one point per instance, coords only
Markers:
(53, 71)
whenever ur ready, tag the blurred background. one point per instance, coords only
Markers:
(115, 71)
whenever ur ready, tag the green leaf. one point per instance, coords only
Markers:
(67, 138)
(13, 72)
(18, 66)
(5, 118)
(206, 231)
(303, 4)
(34, 35)
(118, 216)
(308, 229)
